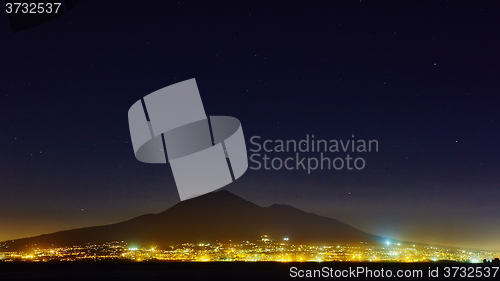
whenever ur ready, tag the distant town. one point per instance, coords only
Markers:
(263, 249)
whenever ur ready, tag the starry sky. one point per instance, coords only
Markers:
(419, 77)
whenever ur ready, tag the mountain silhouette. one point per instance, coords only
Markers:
(217, 216)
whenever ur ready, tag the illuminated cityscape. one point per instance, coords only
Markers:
(264, 249)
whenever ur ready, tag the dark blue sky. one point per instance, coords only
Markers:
(419, 77)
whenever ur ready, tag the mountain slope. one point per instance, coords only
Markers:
(215, 216)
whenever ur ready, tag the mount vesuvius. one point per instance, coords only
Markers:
(214, 216)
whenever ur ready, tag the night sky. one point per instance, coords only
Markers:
(421, 77)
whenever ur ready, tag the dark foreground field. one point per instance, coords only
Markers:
(237, 270)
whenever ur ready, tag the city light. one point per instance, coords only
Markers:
(264, 249)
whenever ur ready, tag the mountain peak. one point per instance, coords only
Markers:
(226, 193)
(222, 200)
(221, 196)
